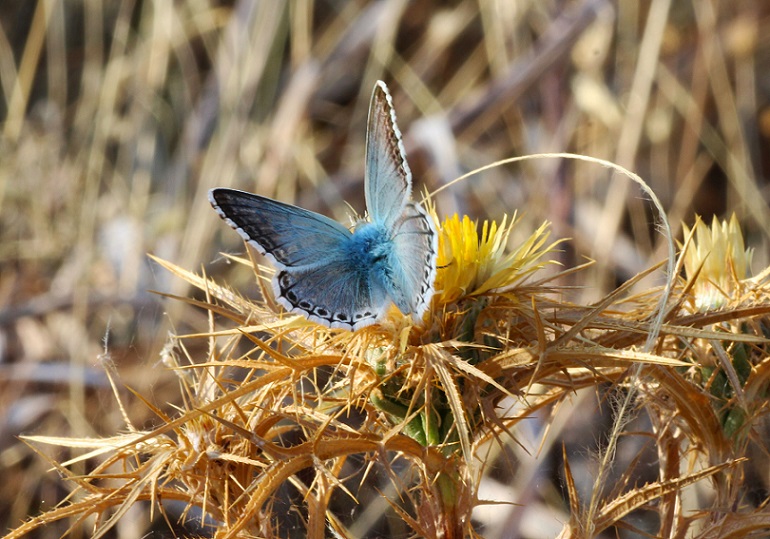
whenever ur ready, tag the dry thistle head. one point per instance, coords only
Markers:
(422, 370)
(718, 261)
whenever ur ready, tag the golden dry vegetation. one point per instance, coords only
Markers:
(576, 378)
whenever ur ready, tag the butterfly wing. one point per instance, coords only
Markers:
(412, 261)
(387, 180)
(316, 275)
(290, 236)
(388, 185)
(336, 294)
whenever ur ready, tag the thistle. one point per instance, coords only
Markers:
(717, 261)
(286, 423)
(717, 265)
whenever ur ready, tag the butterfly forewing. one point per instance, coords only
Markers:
(388, 180)
(292, 236)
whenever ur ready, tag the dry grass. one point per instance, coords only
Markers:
(118, 117)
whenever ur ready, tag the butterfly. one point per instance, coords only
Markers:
(345, 278)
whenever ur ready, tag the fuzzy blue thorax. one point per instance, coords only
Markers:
(369, 247)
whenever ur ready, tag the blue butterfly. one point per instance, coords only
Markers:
(334, 276)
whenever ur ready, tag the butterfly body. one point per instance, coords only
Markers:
(335, 276)
(370, 245)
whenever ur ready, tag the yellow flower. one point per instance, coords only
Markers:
(718, 260)
(472, 264)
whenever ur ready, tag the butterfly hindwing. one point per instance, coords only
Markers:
(413, 261)
(387, 180)
(335, 294)
(292, 236)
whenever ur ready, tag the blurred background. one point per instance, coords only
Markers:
(118, 116)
